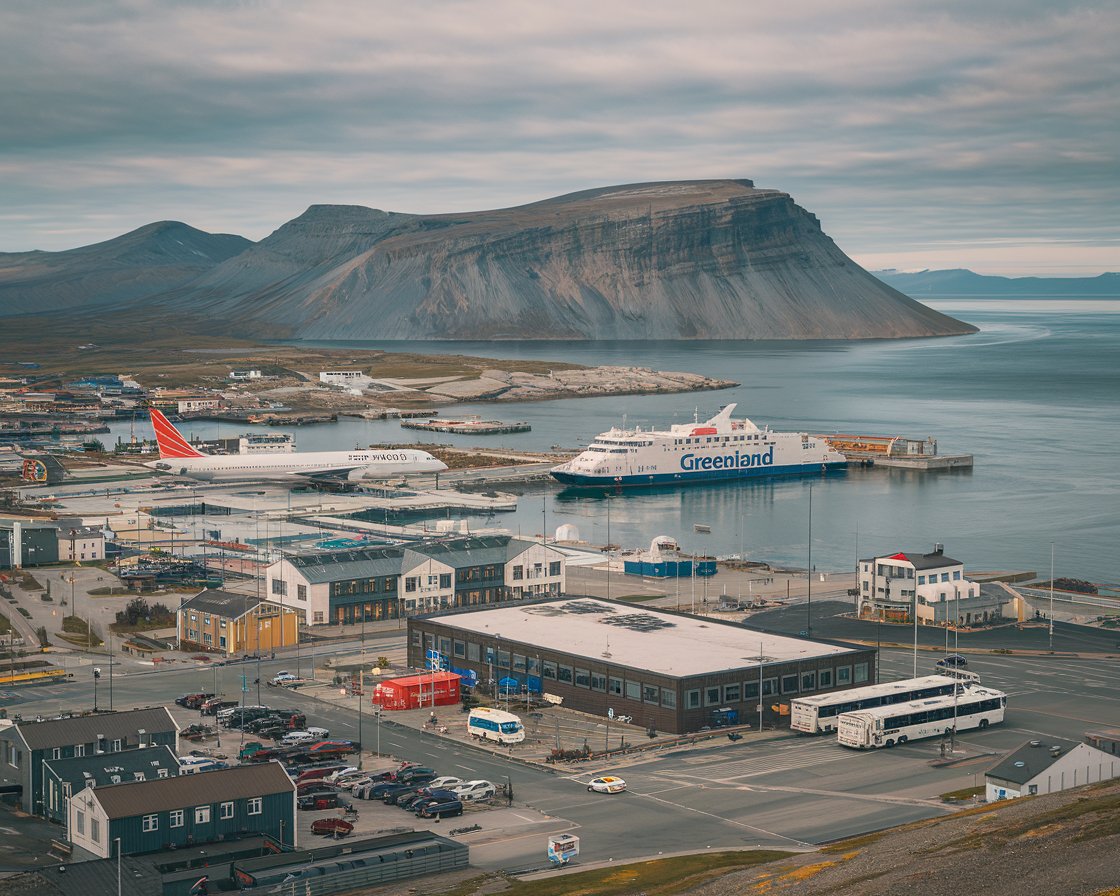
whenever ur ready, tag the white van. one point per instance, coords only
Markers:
(192, 765)
(295, 738)
(495, 724)
(319, 733)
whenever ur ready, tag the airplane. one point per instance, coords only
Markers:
(178, 457)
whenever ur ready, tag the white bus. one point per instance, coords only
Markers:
(889, 725)
(495, 724)
(818, 714)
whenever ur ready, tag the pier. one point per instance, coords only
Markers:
(470, 426)
(895, 451)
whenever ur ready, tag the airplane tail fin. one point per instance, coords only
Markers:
(171, 442)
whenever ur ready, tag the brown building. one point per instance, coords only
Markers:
(235, 623)
(664, 670)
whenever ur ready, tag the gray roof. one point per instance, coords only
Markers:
(138, 878)
(473, 550)
(353, 563)
(222, 603)
(78, 771)
(164, 794)
(84, 729)
(918, 561)
(1035, 760)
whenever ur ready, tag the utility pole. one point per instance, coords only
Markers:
(1051, 597)
(809, 602)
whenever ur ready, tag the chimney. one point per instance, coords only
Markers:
(938, 548)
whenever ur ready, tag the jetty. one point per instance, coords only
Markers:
(895, 451)
(468, 425)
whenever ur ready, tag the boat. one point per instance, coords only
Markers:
(717, 449)
(331, 827)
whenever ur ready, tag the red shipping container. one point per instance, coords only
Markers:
(417, 691)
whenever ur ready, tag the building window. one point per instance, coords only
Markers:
(769, 687)
(473, 652)
(80, 750)
(255, 805)
(554, 568)
(564, 673)
(117, 745)
(95, 830)
(150, 823)
(301, 592)
(503, 662)
(279, 586)
(410, 584)
(731, 693)
(518, 573)
(650, 693)
(843, 675)
(444, 581)
(808, 681)
(956, 575)
(317, 616)
(176, 818)
(548, 669)
(226, 810)
(861, 673)
(692, 699)
(459, 648)
(789, 684)
(669, 698)
(750, 690)
(80, 823)
(161, 773)
(921, 580)
(633, 690)
(614, 687)
(519, 664)
(824, 677)
(598, 681)
(202, 815)
(711, 696)
(222, 641)
(56, 753)
(583, 678)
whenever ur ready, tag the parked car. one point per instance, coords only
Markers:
(445, 781)
(321, 733)
(318, 801)
(953, 661)
(416, 771)
(441, 809)
(215, 704)
(296, 738)
(475, 790)
(322, 771)
(427, 794)
(401, 792)
(606, 784)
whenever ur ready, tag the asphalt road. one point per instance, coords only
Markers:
(785, 792)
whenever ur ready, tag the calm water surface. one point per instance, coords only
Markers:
(1034, 396)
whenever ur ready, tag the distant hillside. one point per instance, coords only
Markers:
(145, 262)
(961, 282)
(681, 260)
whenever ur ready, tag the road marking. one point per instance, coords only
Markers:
(465, 768)
(525, 817)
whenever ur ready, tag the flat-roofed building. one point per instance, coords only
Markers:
(668, 671)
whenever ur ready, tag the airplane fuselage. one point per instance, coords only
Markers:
(372, 464)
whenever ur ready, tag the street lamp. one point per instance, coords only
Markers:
(809, 602)
(1051, 597)
(117, 840)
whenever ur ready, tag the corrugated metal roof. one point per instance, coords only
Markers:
(353, 563)
(85, 729)
(1033, 761)
(162, 795)
(222, 603)
(102, 768)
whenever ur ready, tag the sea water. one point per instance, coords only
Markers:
(1034, 396)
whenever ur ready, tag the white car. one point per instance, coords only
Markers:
(606, 784)
(447, 782)
(474, 790)
(295, 738)
(281, 677)
(341, 773)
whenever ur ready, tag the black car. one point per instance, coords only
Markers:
(427, 796)
(440, 809)
(415, 772)
(953, 661)
(394, 795)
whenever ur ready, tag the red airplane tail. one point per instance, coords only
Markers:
(170, 440)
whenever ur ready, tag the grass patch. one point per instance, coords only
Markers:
(960, 796)
(660, 877)
(5, 625)
(26, 614)
(640, 598)
(842, 846)
(30, 583)
(75, 631)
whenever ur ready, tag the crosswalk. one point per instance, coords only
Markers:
(805, 756)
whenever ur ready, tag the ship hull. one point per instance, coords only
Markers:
(685, 477)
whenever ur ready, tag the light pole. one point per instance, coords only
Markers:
(914, 591)
(117, 840)
(1051, 597)
(608, 547)
(809, 602)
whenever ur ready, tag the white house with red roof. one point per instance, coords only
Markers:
(892, 586)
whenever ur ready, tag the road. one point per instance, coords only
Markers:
(785, 792)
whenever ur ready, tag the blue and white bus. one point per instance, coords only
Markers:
(495, 724)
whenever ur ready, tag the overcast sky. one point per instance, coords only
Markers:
(981, 134)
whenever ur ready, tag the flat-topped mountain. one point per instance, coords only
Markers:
(963, 283)
(690, 259)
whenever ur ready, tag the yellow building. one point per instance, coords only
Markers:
(235, 623)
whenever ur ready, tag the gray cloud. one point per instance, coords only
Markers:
(920, 134)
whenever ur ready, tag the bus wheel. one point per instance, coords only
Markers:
(889, 744)
(983, 723)
(902, 740)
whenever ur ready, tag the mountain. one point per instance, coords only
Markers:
(962, 282)
(688, 259)
(126, 269)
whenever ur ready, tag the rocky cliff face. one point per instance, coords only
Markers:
(691, 259)
(696, 260)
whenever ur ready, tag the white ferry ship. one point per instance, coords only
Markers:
(720, 448)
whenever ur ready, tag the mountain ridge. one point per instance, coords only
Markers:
(961, 282)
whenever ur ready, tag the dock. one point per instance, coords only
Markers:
(895, 451)
(470, 425)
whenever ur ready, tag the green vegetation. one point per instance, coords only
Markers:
(30, 583)
(5, 625)
(660, 877)
(75, 631)
(138, 616)
(843, 846)
(959, 796)
(640, 598)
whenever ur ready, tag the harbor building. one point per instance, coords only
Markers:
(62, 778)
(666, 671)
(232, 623)
(148, 816)
(26, 746)
(1048, 766)
(892, 587)
(389, 582)
(27, 543)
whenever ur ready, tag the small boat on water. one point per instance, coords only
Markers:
(719, 448)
